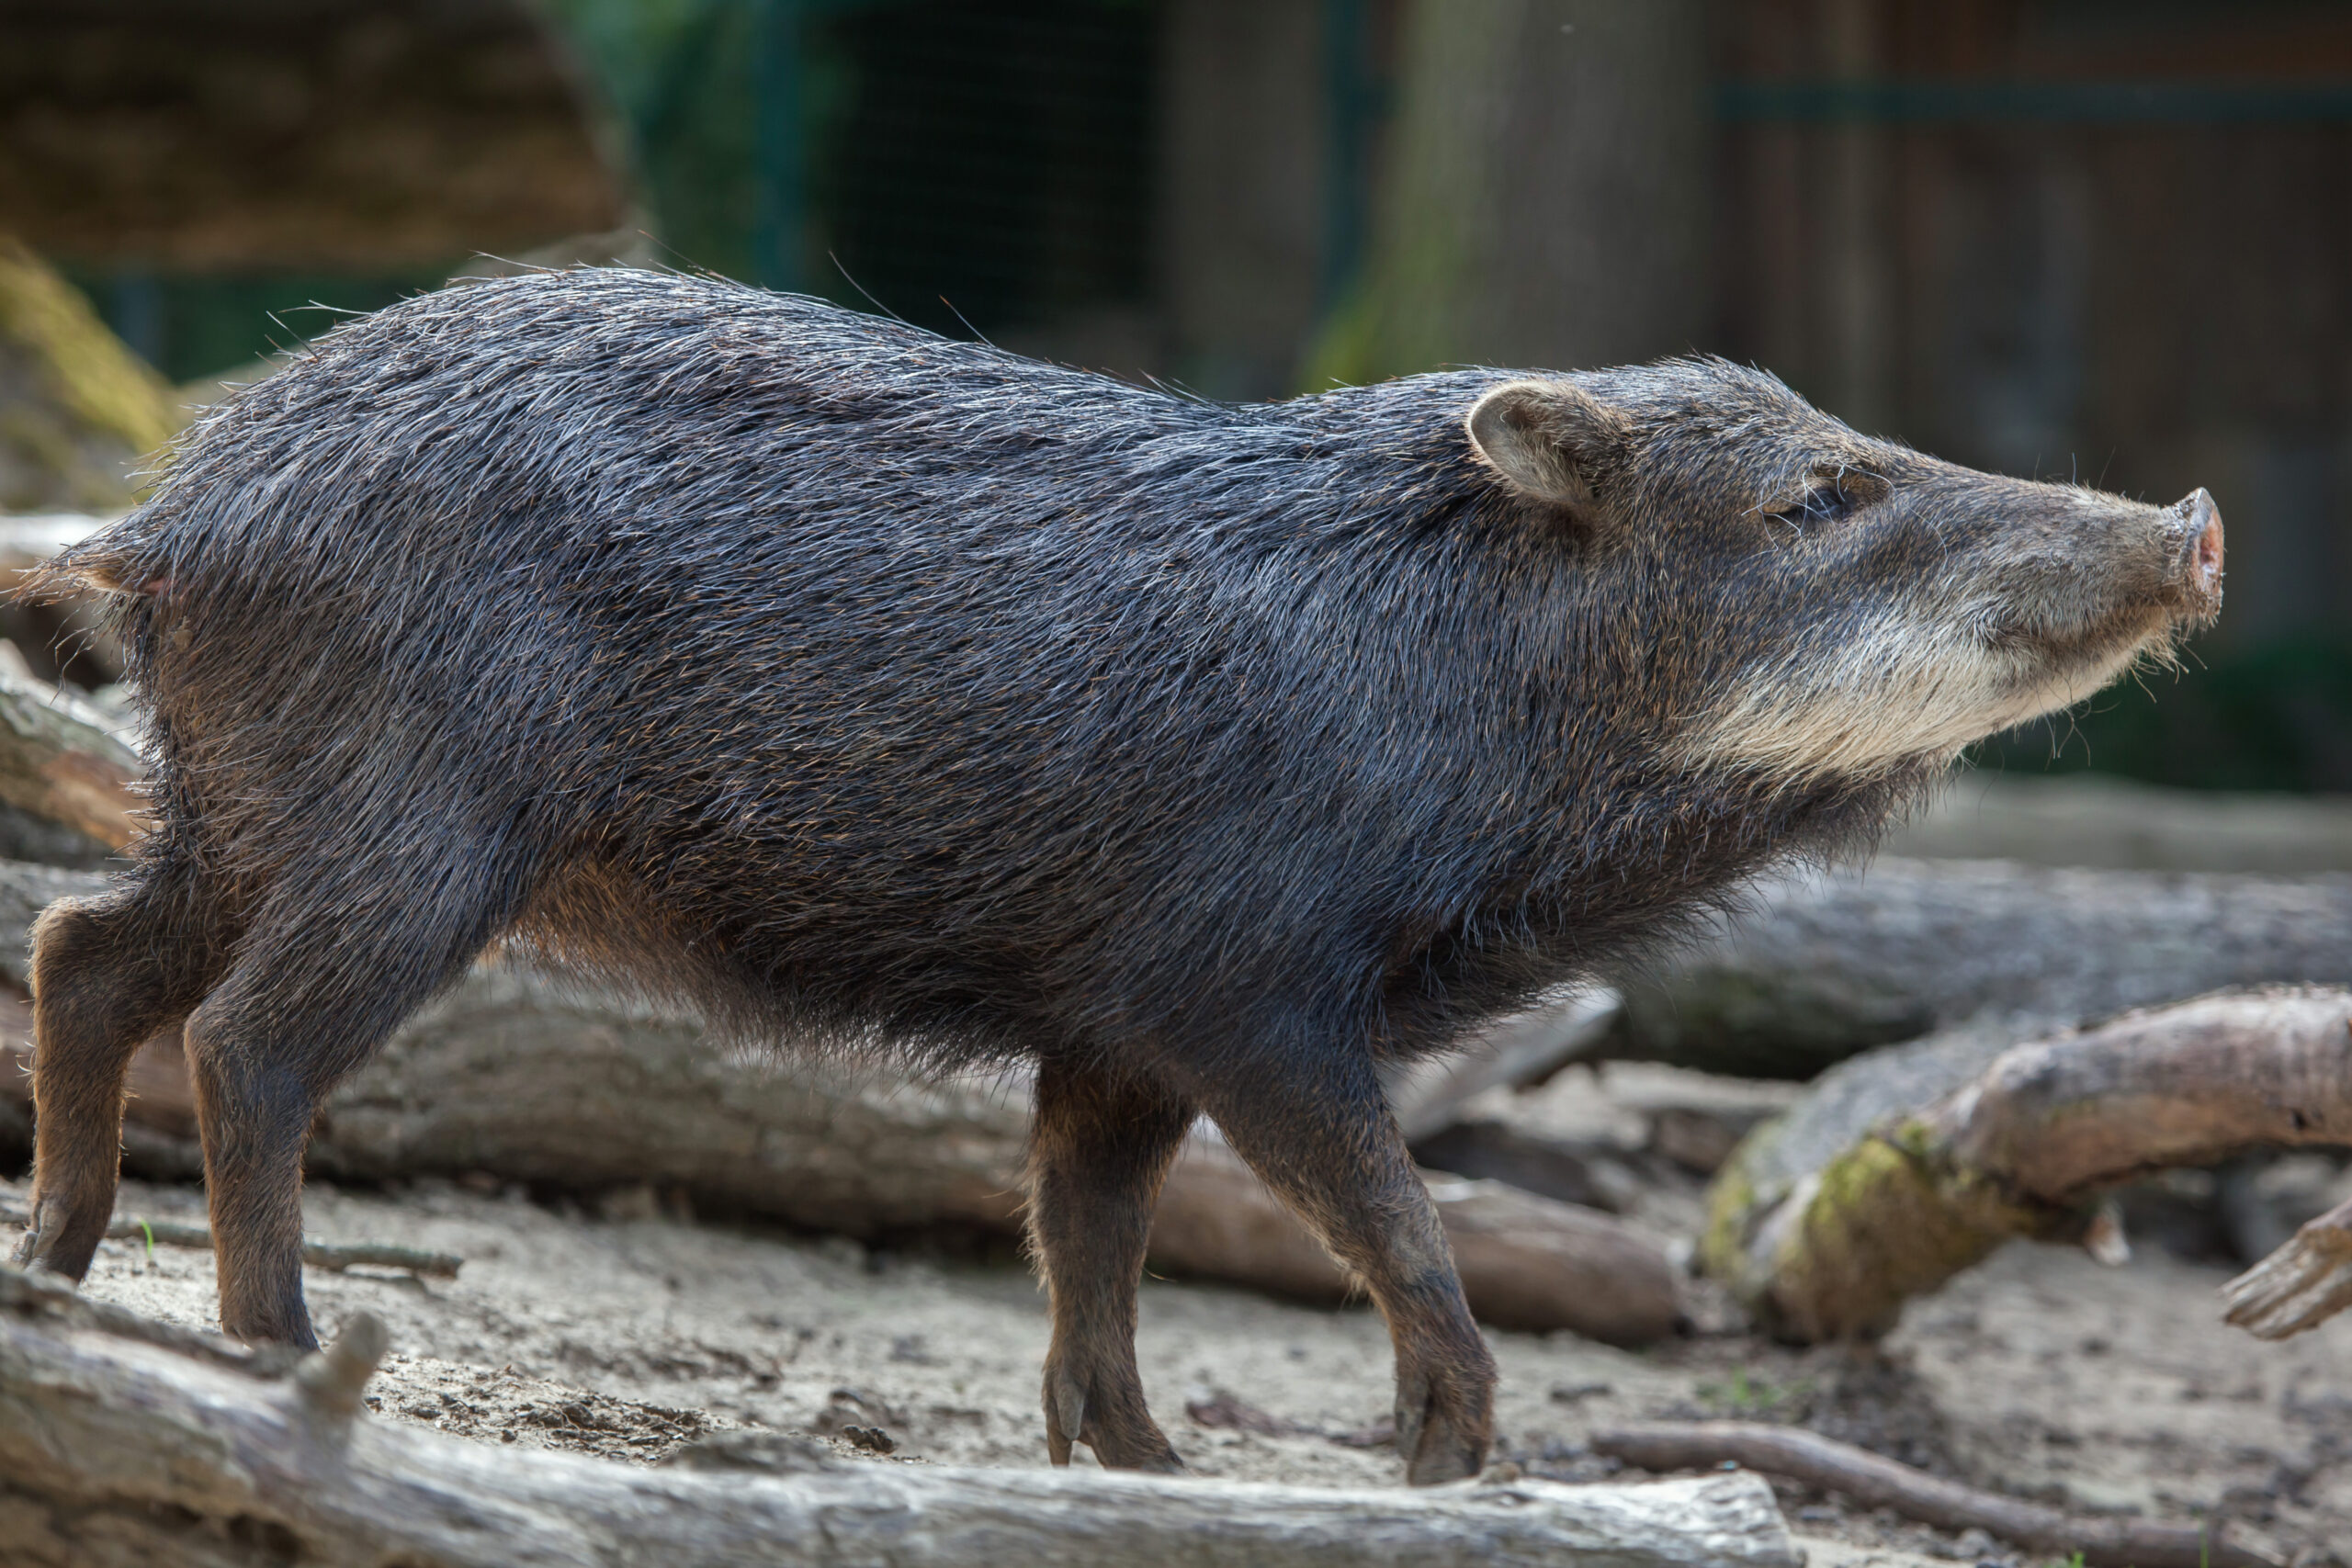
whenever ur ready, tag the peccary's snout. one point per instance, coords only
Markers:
(2196, 575)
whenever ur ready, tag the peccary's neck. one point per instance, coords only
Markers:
(1625, 871)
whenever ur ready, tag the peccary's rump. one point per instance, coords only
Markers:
(859, 683)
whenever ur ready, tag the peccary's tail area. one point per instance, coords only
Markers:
(110, 562)
(123, 569)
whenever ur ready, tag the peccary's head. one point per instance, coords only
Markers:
(1786, 597)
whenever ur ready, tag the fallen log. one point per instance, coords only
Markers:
(26, 890)
(68, 791)
(531, 1081)
(1587, 1172)
(1875, 1482)
(1819, 969)
(77, 635)
(1526, 1048)
(2099, 820)
(1904, 1167)
(123, 1443)
(1527, 1262)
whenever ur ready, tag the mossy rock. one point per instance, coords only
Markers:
(79, 412)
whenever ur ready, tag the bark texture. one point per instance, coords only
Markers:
(68, 784)
(1904, 1168)
(2301, 1285)
(125, 1443)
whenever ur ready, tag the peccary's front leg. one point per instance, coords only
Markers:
(1319, 1132)
(1100, 1146)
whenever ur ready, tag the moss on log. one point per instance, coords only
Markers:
(1900, 1169)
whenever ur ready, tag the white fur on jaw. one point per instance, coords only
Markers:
(1902, 688)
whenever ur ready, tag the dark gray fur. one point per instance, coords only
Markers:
(969, 703)
(866, 688)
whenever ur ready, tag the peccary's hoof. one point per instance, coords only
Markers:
(1439, 1441)
(46, 1247)
(1444, 1457)
(1120, 1431)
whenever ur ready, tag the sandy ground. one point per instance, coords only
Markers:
(622, 1330)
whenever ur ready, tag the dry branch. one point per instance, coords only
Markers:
(529, 1080)
(120, 1446)
(1875, 1482)
(1879, 1187)
(2300, 1286)
(334, 1255)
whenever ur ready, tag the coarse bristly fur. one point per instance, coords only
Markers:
(865, 688)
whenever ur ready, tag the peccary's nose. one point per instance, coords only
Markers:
(2200, 534)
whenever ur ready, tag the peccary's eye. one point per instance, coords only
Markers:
(1828, 502)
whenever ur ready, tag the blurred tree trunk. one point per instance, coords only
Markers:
(1818, 969)
(1542, 195)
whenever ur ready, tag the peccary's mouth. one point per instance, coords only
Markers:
(1900, 694)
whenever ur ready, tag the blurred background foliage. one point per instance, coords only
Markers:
(2110, 239)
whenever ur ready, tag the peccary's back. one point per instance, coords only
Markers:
(916, 681)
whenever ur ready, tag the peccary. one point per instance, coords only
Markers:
(894, 694)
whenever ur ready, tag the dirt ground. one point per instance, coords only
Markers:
(622, 1328)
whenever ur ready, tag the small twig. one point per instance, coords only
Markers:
(342, 1255)
(334, 1255)
(332, 1380)
(1879, 1482)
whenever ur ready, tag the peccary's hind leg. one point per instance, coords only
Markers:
(108, 974)
(1319, 1132)
(1100, 1146)
(319, 983)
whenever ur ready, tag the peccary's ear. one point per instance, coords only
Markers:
(1548, 440)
